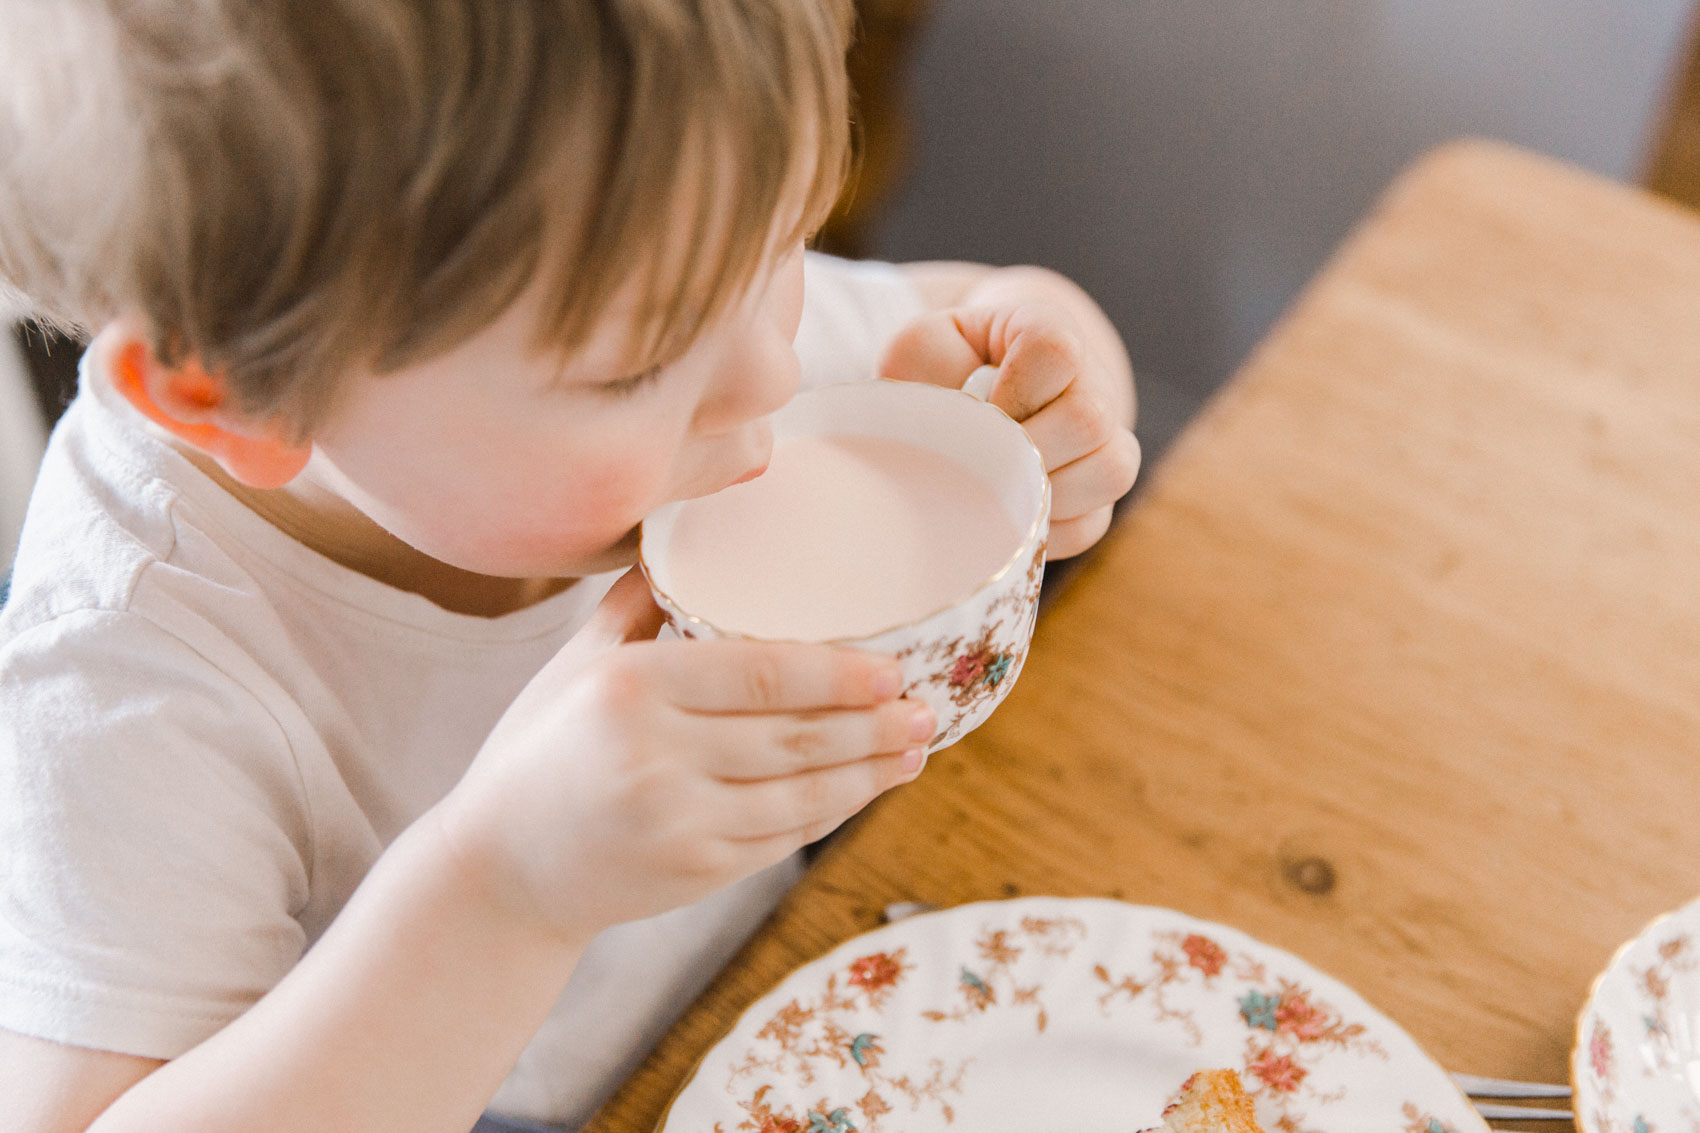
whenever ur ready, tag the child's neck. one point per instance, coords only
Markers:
(333, 527)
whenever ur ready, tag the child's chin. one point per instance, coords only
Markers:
(619, 555)
(546, 562)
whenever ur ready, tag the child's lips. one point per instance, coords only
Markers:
(751, 474)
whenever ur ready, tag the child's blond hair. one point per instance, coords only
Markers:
(291, 190)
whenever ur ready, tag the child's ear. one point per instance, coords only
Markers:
(193, 406)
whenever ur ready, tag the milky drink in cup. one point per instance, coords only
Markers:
(895, 517)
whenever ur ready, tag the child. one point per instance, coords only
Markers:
(342, 783)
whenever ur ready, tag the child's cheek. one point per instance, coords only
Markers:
(595, 509)
(620, 492)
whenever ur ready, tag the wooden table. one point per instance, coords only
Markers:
(1394, 664)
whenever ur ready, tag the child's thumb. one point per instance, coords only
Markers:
(626, 613)
(933, 349)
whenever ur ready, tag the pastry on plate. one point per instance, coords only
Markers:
(1211, 1101)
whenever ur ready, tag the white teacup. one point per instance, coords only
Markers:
(962, 659)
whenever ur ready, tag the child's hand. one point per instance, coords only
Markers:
(1066, 380)
(628, 779)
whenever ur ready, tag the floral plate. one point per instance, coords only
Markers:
(1049, 1013)
(1636, 1066)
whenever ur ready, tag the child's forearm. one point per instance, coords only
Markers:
(406, 1015)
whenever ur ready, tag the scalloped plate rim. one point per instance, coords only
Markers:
(1580, 1085)
(769, 997)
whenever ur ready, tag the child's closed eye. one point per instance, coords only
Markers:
(625, 387)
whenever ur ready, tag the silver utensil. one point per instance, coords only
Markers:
(1493, 1111)
(1476, 1087)
(901, 910)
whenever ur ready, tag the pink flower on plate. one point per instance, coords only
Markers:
(1204, 954)
(1300, 1018)
(1599, 1050)
(1278, 1071)
(879, 970)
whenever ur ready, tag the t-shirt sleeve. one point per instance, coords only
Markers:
(851, 310)
(153, 839)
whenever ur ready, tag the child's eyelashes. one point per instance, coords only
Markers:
(625, 387)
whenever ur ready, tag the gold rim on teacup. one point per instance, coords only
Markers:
(1023, 550)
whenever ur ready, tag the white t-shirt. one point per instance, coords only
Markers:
(209, 733)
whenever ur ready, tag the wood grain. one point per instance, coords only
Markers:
(1395, 663)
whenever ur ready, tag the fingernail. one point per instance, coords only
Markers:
(922, 723)
(888, 682)
(913, 758)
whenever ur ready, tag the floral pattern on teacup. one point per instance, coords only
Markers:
(969, 674)
(966, 659)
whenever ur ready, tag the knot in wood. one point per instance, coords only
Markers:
(1311, 875)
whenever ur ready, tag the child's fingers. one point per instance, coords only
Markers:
(814, 799)
(768, 747)
(1039, 367)
(1074, 425)
(626, 613)
(934, 350)
(765, 677)
(759, 853)
(1038, 355)
(1101, 477)
(1072, 536)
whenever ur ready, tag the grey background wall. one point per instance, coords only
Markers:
(1192, 162)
